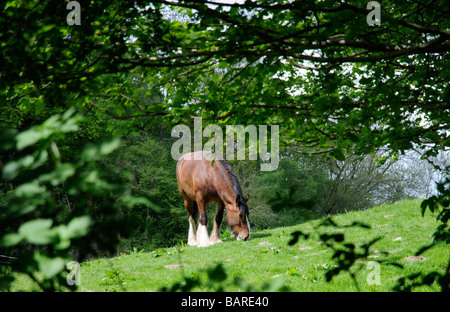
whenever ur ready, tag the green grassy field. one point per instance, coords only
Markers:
(267, 262)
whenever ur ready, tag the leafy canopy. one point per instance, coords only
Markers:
(317, 68)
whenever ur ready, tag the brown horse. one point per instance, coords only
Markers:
(201, 182)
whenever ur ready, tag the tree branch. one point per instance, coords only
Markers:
(128, 116)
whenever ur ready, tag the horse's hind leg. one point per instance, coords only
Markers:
(190, 207)
(202, 230)
(215, 234)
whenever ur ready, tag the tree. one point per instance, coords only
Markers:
(155, 177)
(317, 67)
(360, 182)
(289, 195)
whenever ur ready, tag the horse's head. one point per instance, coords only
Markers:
(237, 219)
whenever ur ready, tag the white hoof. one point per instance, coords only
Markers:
(204, 245)
(215, 241)
(192, 243)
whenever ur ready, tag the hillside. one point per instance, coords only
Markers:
(267, 262)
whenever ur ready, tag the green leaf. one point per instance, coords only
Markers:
(62, 244)
(49, 266)
(35, 226)
(194, 35)
(94, 152)
(61, 173)
(338, 154)
(131, 201)
(223, 65)
(77, 227)
(217, 274)
(27, 138)
(38, 231)
(277, 284)
(29, 190)
(109, 146)
(241, 283)
(12, 169)
(423, 206)
(10, 240)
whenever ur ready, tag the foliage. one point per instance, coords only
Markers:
(283, 197)
(53, 207)
(346, 255)
(305, 187)
(441, 236)
(360, 182)
(215, 278)
(154, 176)
(440, 204)
(335, 83)
(299, 183)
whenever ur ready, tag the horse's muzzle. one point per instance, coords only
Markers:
(244, 238)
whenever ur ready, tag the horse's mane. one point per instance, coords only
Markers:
(237, 187)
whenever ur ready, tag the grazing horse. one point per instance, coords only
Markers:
(202, 181)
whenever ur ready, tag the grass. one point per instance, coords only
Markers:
(267, 260)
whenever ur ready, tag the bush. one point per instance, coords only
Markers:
(55, 210)
(152, 167)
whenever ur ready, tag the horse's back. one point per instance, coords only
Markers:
(192, 171)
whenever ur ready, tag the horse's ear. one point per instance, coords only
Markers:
(246, 197)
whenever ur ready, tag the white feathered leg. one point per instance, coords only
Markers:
(192, 238)
(202, 236)
(215, 234)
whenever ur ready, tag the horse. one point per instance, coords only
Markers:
(202, 179)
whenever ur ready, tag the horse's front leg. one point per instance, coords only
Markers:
(202, 229)
(215, 234)
(190, 207)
